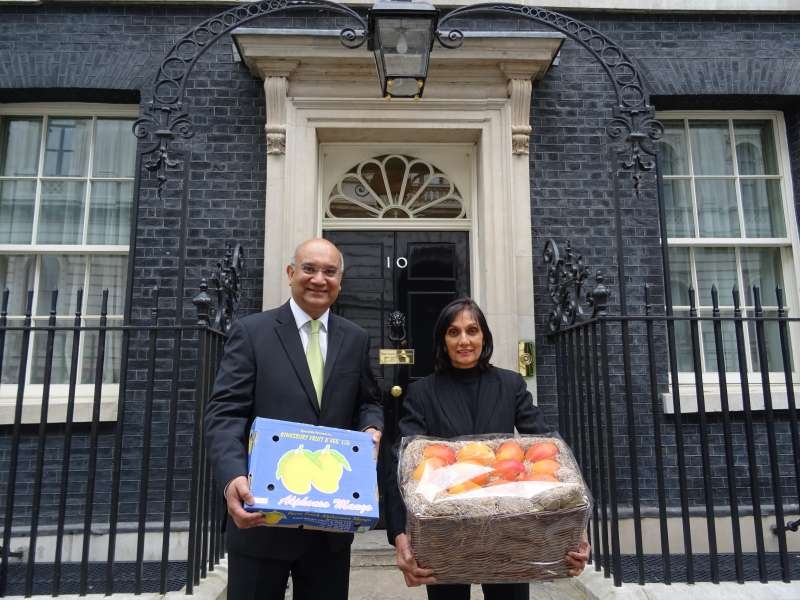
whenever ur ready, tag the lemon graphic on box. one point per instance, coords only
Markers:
(273, 517)
(333, 464)
(297, 468)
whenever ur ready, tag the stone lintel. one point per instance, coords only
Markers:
(317, 64)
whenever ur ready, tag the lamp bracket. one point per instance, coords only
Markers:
(450, 39)
(352, 38)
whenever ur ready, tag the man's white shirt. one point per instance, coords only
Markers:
(303, 322)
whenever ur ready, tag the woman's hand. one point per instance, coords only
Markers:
(577, 559)
(413, 573)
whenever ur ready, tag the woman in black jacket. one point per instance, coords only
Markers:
(465, 395)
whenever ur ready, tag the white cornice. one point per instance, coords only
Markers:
(316, 64)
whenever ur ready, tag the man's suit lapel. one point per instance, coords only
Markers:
(286, 329)
(488, 396)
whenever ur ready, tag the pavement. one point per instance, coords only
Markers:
(374, 576)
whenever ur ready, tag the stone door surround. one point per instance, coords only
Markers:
(316, 90)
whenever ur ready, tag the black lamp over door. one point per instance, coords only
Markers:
(401, 36)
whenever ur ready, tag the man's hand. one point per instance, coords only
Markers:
(236, 493)
(376, 435)
(577, 559)
(413, 573)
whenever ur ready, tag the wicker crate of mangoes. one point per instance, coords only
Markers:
(493, 509)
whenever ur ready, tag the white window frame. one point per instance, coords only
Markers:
(790, 260)
(59, 393)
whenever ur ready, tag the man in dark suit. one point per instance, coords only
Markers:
(298, 363)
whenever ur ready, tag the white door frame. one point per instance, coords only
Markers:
(317, 91)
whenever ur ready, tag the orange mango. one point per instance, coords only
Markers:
(476, 452)
(445, 453)
(541, 451)
(427, 464)
(509, 450)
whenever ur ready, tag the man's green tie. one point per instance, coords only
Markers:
(314, 358)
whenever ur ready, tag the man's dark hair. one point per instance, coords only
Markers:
(441, 361)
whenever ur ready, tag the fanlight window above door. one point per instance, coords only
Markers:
(395, 186)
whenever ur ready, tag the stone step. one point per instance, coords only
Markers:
(372, 549)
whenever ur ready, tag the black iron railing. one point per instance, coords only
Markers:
(106, 489)
(687, 420)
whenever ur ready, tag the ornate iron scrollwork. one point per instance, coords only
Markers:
(165, 119)
(634, 117)
(164, 124)
(451, 39)
(565, 278)
(634, 122)
(641, 131)
(352, 38)
(226, 284)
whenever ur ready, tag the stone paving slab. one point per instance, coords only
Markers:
(375, 577)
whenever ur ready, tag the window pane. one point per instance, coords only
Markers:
(772, 345)
(402, 39)
(114, 149)
(16, 276)
(67, 147)
(716, 208)
(678, 208)
(63, 273)
(12, 353)
(673, 151)
(762, 208)
(728, 344)
(61, 212)
(447, 208)
(683, 341)
(19, 146)
(62, 353)
(680, 275)
(755, 148)
(107, 273)
(762, 267)
(112, 354)
(715, 266)
(110, 212)
(16, 211)
(711, 148)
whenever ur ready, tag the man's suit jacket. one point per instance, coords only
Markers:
(435, 407)
(264, 373)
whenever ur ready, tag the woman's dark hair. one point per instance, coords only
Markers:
(441, 360)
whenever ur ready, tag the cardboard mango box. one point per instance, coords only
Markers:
(315, 477)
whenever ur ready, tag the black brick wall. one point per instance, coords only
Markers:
(684, 60)
(111, 53)
(105, 54)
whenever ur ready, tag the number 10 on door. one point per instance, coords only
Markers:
(401, 262)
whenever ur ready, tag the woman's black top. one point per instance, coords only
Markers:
(456, 403)
(468, 382)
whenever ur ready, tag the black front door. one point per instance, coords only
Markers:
(415, 272)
